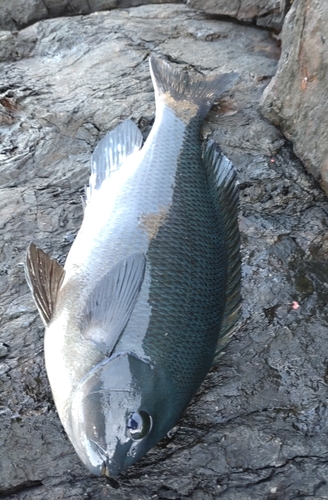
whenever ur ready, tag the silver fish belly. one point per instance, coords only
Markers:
(151, 286)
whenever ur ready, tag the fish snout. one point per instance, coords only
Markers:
(107, 427)
(110, 468)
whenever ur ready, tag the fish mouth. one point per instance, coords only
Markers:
(110, 468)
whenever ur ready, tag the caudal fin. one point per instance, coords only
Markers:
(177, 87)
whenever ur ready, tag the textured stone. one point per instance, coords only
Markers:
(14, 14)
(266, 13)
(257, 429)
(21, 12)
(296, 97)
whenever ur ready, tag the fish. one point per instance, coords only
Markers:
(150, 290)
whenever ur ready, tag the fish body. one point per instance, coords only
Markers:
(150, 288)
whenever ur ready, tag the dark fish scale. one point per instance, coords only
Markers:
(188, 268)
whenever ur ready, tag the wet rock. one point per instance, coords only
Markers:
(258, 426)
(4, 350)
(295, 98)
(15, 14)
(266, 13)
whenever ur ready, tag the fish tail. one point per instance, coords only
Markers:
(186, 93)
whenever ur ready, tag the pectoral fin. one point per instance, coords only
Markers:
(44, 276)
(109, 306)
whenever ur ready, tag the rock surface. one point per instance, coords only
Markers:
(296, 98)
(257, 429)
(15, 14)
(266, 13)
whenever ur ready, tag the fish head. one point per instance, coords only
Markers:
(116, 414)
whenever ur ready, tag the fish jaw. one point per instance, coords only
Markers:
(67, 358)
(118, 391)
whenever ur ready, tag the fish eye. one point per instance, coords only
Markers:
(139, 424)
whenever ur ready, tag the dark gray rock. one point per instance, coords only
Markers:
(15, 14)
(257, 429)
(266, 13)
(296, 99)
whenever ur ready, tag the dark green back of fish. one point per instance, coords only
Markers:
(188, 261)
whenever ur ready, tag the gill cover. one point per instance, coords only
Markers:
(110, 414)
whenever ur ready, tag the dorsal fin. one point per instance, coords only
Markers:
(110, 304)
(222, 174)
(111, 152)
(44, 276)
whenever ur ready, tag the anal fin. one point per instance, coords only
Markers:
(111, 152)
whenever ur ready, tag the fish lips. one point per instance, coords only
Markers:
(99, 412)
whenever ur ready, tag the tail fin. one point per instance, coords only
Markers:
(177, 87)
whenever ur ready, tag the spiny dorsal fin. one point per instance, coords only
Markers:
(222, 174)
(44, 276)
(109, 306)
(176, 86)
(111, 152)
